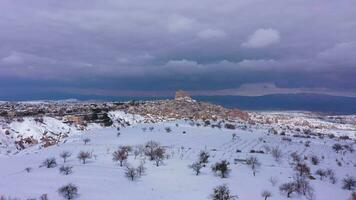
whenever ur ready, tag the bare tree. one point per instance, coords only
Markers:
(84, 156)
(349, 183)
(120, 155)
(50, 163)
(321, 173)
(222, 192)
(44, 197)
(337, 147)
(276, 154)
(331, 174)
(296, 159)
(159, 155)
(196, 166)
(303, 187)
(131, 173)
(265, 194)
(302, 169)
(253, 163)
(150, 149)
(204, 157)
(86, 140)
(65, 155)
(314, 160)
(69, 191)
(66, 170)
(288, 188)
(28, 169)
(141, 169)
(221, 167)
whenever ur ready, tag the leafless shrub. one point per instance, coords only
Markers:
(168, 129)
(150, 149)
(196, 166)
(314, 160)
(120, 155)
(159, 153)
(222, 192)
(295, 158)
(337, 147)
(28, 169)
(331, 174)
(204, 157)
(69, 191)
(222, 168)
(86, 140)
(265, 194)
(44, 197)
(321, 173)
(84, 156)
(65, 155)
(253, 163)
(349, 183)
(50, 163)
(131, 173)
(276, 154)
(141, 169)
(302, 169)
(66, 170)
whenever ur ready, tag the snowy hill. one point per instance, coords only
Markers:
(22, 176)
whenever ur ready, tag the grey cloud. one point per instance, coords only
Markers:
(163, 45)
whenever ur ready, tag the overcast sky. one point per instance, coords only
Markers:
(141, 47)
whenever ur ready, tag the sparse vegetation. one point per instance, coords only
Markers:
(69, 191)
(221, 168)
(84, 156)
(222, 192)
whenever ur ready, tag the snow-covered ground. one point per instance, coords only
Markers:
(101, 178)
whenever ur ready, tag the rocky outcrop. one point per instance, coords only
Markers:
(184, 107)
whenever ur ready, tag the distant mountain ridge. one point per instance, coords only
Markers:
(274, 102)
(279, 102)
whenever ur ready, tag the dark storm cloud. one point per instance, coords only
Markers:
(111, 46)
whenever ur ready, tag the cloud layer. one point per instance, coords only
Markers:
(160, 46)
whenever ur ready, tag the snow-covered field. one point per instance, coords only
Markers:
(101, 178)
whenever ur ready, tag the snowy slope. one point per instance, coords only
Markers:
(101, 178)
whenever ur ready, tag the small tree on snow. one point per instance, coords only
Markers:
(276, 154)
(159, 155)
(50, 163)
(131, 173)
(222, 192)
(221, 167)
(288, 188)
(349, 183)
(196, 166)
(120, 155)
(141, 169)
(65, 155)
(253, 163)
(66, 170)
(150, 149)
(302, 169)
(84, 156)
(69, 191)
(204, 157)
(265, 194)
(321, 173)
(86, 140)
